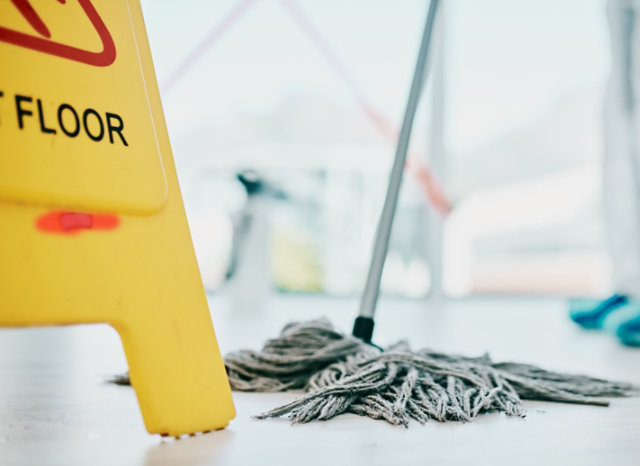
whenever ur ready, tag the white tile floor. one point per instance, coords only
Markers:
(55, 408)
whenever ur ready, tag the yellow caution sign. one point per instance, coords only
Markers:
(93, 226)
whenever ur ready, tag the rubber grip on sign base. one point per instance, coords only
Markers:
(363, 328)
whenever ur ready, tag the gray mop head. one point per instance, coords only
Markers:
(341, 374)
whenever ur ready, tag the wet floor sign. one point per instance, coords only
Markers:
(91, 217)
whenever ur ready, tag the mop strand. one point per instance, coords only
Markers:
(341, 374)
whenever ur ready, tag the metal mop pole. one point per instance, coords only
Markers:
(363, 325)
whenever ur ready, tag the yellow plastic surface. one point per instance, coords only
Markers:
(47, 99)
(140, 275)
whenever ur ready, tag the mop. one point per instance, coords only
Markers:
(348, 374)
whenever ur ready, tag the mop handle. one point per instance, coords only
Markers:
(363, 326)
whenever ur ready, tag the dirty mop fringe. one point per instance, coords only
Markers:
(341, 374)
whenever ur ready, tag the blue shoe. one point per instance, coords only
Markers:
(629, 332)
(625, 323)
(591, 313)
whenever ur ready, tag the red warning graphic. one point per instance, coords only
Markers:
(43, 42)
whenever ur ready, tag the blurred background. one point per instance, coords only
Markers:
(283, 114)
